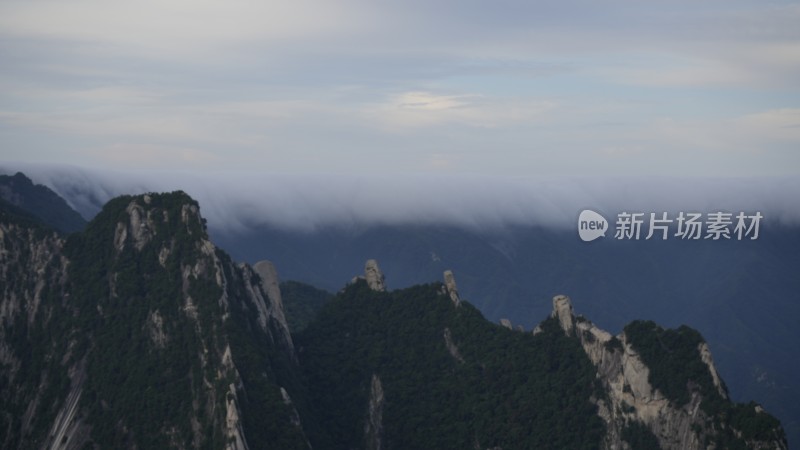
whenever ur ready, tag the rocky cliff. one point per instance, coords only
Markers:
(34, 372)
(137, 333)
(693, 413)
(421, 369)
(374, 276)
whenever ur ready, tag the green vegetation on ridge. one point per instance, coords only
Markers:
(157, 395)
(678, 371)
(301, 303)
(513, 389)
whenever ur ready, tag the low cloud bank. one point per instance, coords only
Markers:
(236, 201)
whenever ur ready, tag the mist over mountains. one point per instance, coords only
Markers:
(236, 201)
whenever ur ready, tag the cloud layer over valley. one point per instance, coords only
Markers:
(234, 201)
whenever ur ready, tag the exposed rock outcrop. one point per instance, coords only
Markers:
(155, 328)
(141, 225)
(294, 415)
(234, 431)
(69, 429)
(562, 310)
(374, 276)
(705, 355)
(451, 288)
(451, 346)
(373, 429)
(630, 397)
(150, 254)
(274, 309)
(33, 271)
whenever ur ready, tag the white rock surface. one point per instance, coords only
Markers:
(450, 286)
(451, 346)
(272, 306)
(373, 428)
(562, 310)
(705, 354)
(374, 276)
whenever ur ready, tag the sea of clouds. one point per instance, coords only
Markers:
(236, 201)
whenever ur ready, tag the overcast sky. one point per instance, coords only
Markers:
(525, 88)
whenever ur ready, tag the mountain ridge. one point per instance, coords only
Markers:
(742, 295)
(41, 202)
(623, 396)
(144, 318)
(140, 332)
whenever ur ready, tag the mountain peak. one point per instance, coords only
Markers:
(562, 310)
(374, 276)
(146, 335)
(141, 219)
(451, 288)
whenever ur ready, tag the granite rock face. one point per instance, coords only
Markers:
(562, 310)
(374, 276)
(631, 398)
(145, 265)
(451, 288)
(373, 427)
(273, 302)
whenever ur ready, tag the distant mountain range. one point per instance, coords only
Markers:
(19, 191)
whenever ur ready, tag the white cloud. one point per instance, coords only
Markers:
(427, 109)
(235, 200)
(135, 155)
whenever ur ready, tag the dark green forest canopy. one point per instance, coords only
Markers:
(678, 371)
(513, 389)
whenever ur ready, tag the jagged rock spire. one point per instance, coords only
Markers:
(562, 309)
(451, 288)
(374, 276)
